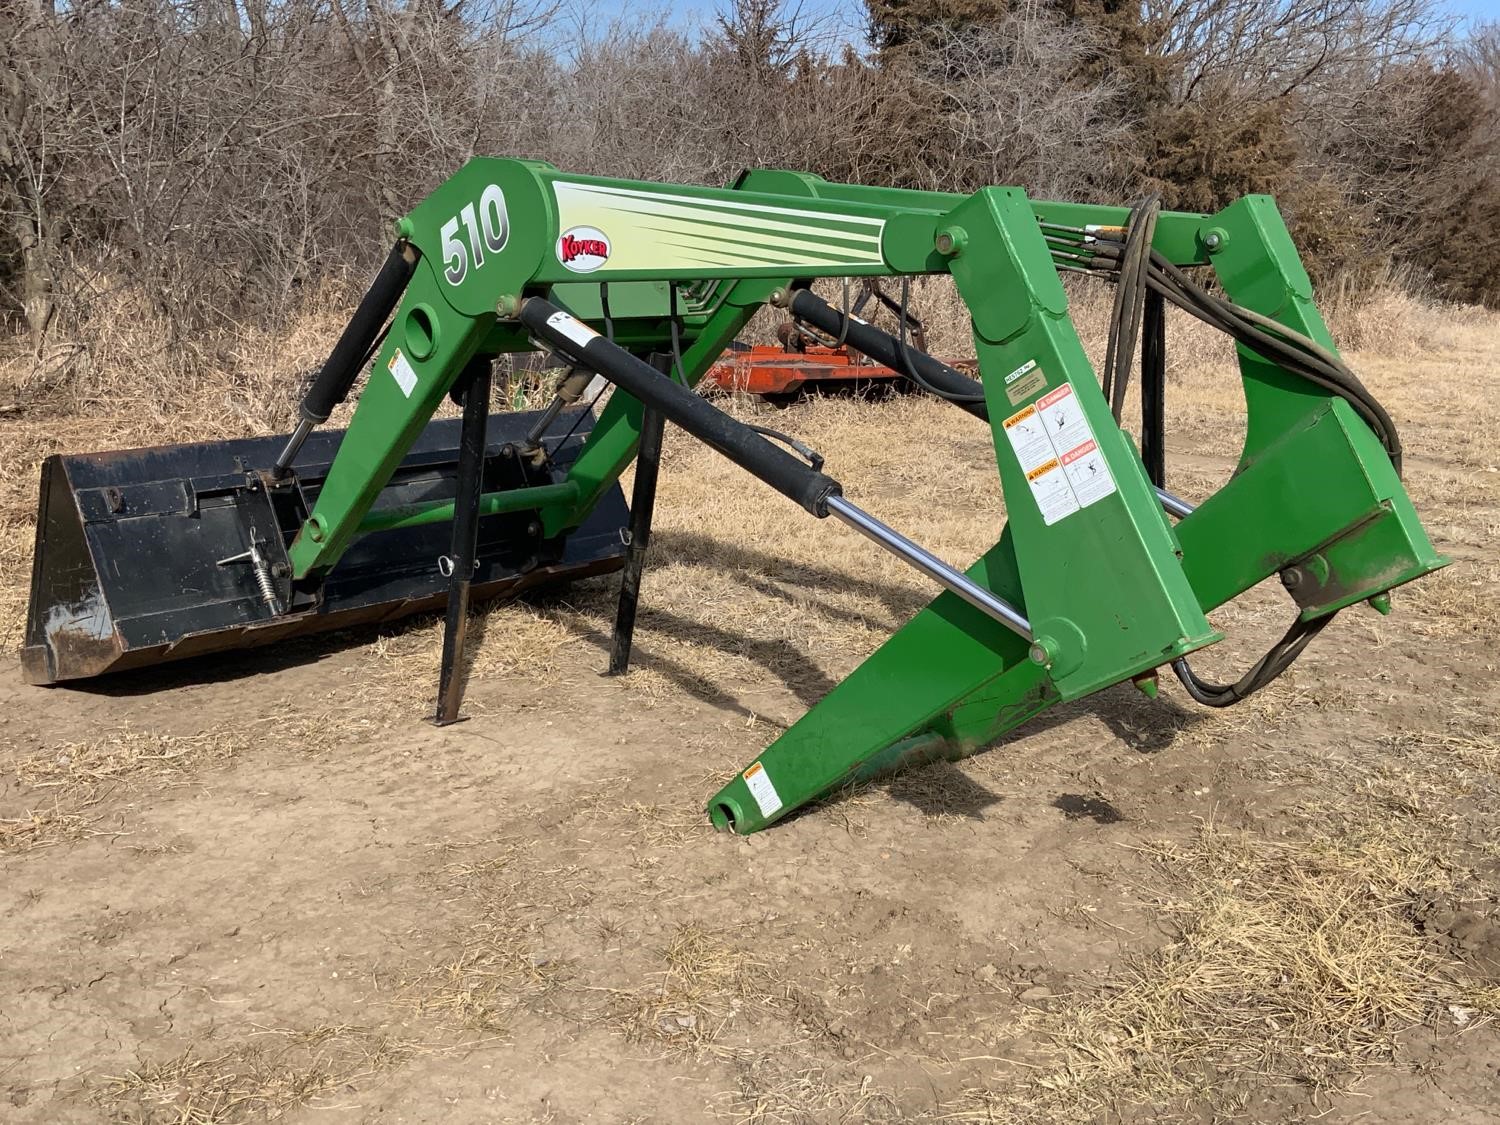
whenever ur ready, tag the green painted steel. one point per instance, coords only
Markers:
(490, 504)
(1313, 485)
(1101, 584)
(1111, 588)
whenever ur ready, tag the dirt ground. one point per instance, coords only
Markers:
(262, 887)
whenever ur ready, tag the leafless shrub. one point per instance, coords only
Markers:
(175, 174)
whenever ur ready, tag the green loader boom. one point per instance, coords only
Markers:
(1099, 574)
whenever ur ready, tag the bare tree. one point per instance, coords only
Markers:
(206, 164)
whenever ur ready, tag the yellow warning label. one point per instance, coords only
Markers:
(762, 790)
(1042, 470)
(1020, 416)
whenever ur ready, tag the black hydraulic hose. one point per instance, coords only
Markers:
(1154, 389)
(565, 333)
(354, 346)
(1267, 668)
(803, 450)
(1287, 348)
(1130, 300)
(928, 372)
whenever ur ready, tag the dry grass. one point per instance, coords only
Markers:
(75, 766)
(1295, 963)
(497, 963)
(259, 1080)
(42, 827)
(235, 378)
(706, 985)
(1296, 960)
(60, 786)
(808, 1094)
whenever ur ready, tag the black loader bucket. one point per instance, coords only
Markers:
(131, 547)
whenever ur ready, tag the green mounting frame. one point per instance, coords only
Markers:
(1112, 589)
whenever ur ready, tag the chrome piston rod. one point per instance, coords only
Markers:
(935, 568)
(1174, 505)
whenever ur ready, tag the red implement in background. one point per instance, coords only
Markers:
(806, 355)
(772, 370)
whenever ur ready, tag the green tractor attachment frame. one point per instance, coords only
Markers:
(1098, 575)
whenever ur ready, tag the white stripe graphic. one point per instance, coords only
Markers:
(733, 204)
(651, 230)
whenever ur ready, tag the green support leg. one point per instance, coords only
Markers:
(909, 702)
(1088, 556)
(1105, 591)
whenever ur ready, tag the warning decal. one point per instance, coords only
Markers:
(1058, 453)
(1049, 481)
(1074, 442)
(573, 328)
(762, 790)
(401, 369)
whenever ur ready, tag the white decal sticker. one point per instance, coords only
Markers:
(762, 790)
(573, 328)
(1029, 365)
(1076, 448)
(1062, 462)
(406, 378)
(1049, 483)
(583, 249)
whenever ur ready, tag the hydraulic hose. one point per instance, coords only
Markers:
(745, 446)
(1080, 249)
(355, 346)
(928, 372)
(1288, 349)
(347, 359)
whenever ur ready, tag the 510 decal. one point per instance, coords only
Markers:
(488, 229)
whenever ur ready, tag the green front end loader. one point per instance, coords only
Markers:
(1100, 575)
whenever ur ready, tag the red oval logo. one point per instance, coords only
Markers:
(583, 249)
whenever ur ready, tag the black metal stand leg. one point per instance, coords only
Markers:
(465, 548)
(1153, 388)
(642, 507)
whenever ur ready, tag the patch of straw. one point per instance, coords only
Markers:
(256, 1081)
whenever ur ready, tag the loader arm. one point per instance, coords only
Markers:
(1090, 581)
